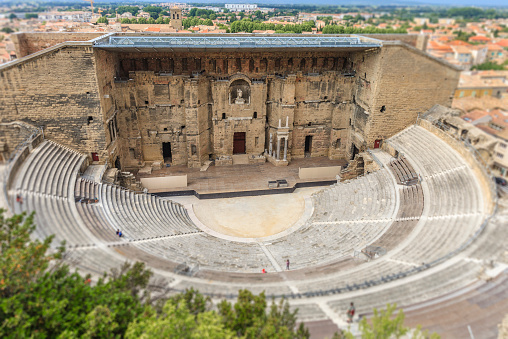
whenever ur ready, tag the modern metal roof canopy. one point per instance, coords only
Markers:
(140, 42)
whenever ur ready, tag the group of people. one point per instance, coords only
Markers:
(119, 233)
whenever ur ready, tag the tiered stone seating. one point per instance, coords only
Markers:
(143, 216)
(209, 252)
(371, 197)
(412, 198)
(404, 172)
(417, 223)
(317, 244)
(51, 169)
(46, 182)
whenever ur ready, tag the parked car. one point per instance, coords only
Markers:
(500, 181)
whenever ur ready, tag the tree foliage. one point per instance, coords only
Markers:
(487, 66)
(337, 29)
(385, 325)
(102, 20)
(246, 25)
(41, 298)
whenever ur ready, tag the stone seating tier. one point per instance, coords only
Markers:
(416, 224)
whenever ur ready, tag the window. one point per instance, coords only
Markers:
(256, 141)
(461, 94)
(500, 155)
(337, 143)
(90, 120)
(193, 149)
(502, 145)
(255, 116)
(223, 116)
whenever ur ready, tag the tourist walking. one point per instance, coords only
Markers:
(19, 199)
(287, 265)
(351, 313)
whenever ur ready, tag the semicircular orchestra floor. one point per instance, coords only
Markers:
(250, 217)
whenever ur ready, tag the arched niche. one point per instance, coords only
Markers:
(239, 91)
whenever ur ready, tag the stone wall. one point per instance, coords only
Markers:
(405, 82)
(131, 108)
(416, 40)
(28, 43)
(57, 91)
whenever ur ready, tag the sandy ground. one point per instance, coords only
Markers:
(250, 217)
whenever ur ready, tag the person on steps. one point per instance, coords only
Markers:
(351, 313)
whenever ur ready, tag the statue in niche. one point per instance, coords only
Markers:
(239, 100)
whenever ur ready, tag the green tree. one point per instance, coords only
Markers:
(384, 325)
(43, 300)
(102, 20)
(31, 15)
(248, 318)
(486, 66)
(176, 321)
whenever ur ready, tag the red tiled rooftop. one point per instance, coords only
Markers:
(479, 38)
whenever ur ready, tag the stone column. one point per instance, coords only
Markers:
(278, 148)
(285, 148)
(270, 146)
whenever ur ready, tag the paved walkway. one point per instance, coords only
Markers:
(242, 177)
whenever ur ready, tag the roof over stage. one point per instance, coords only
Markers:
(143, 42)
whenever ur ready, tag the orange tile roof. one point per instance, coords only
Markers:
(153, 29)
(474, 115)
(492, 47)
(479, 38)
(502, 43)
(458, 43)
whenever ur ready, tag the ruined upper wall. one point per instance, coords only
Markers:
(56, 90)
(28, 43)
(407, 82)
(416, 40)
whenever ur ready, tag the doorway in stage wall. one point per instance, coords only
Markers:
(166, 151)
(239, 143)
(308, 146)
(377, 143)
(354, 151)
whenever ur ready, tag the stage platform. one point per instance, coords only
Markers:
(242, 180)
